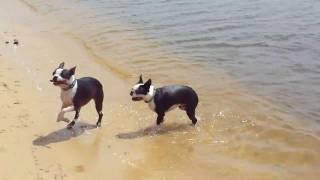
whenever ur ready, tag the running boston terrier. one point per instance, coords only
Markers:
(76, 93)
(166, 98)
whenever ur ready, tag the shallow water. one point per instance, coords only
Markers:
(271, 46)
(254, 64)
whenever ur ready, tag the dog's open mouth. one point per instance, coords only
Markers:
(56, 83)
(136, 98)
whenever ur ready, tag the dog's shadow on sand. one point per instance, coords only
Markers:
(153, 131)
(63, 134)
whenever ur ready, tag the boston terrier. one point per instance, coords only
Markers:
(76, 93)
(166, 98)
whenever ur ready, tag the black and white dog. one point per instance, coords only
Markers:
(76, 93)
(166, 98)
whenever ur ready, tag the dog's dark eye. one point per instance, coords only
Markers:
(65, 74)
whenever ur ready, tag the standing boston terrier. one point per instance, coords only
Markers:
(166, 98)
(76, 93)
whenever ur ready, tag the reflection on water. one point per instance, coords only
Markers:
(271, 47)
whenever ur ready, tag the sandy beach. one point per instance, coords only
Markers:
(34, 146)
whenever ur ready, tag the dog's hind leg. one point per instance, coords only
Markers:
(98, 102)
(160, 118)
(191, 115)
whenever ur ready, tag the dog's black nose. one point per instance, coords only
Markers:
(55, 79)
(131, 93)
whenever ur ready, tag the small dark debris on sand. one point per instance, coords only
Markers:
(5, 85)
(16, 42)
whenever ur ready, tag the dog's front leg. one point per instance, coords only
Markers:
(61, 113)
(160, 117)
(64, 110)
(76, 116)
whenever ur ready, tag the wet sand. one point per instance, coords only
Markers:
(236, 142)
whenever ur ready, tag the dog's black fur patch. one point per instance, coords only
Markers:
(88, 88)
(168, 96)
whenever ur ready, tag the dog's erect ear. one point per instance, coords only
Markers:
(61, 65)
(140, 79)
(147, 84)
(72, 71)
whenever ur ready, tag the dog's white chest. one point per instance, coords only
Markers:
(67, 96)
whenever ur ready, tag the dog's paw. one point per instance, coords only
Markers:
(65, 120)
(70, 125)
(98, 124)
(60, 117)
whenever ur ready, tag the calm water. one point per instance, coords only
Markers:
(255, 64)
(271, 46)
